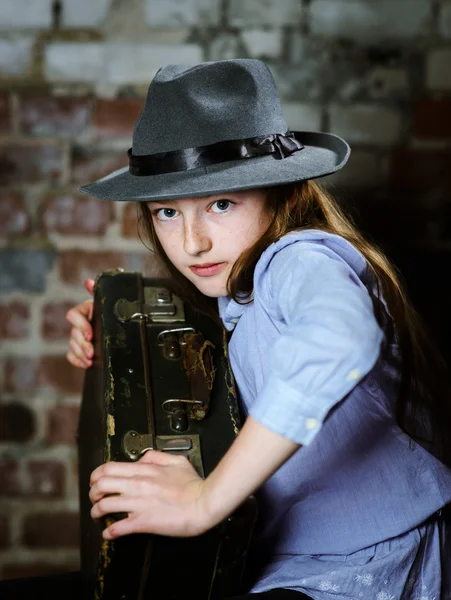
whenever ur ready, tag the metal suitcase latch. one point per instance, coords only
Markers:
(159, 306)
(135, 445)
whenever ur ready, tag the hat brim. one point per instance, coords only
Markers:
(323, 154)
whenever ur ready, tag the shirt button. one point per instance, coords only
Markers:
(311, 424)
(354, 374)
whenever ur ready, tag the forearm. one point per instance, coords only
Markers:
(254, 456)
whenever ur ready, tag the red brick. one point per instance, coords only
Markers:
(117, 117)
(432, 119)
(420, 170)
(130, 219)
(17, 423)
(46, 479)
(55, 326)
(57, 530)
(30, 163)
(76, 215)
(63, 117)
(19, 571)
(14, 219)
(25, 374)
(77, 265)
(5, 113)
(57, 373)
(14, 320)
(88, 165)
(39, 479)
(5, 533)
(62, 424)
(9, 478)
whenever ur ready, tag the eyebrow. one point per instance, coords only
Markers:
(162, 202)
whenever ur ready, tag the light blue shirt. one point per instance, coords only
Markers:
(311, 363)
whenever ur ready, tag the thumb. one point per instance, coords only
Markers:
(89, 285)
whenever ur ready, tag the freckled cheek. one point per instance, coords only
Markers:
(246, 233)
(172, 252)
(233, 239)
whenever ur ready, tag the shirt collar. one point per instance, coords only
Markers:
(230, 311)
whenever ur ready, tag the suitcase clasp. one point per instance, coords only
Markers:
(136, 444)
(159, 306)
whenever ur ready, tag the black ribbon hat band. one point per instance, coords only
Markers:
(278, 144)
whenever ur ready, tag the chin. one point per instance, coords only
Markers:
(213, 293)
(212, 290)
(211, 287)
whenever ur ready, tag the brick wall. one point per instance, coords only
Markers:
(72, 79)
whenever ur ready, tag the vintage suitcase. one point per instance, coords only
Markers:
(160, 379)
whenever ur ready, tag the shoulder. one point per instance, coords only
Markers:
(316, 278)
(308, 253)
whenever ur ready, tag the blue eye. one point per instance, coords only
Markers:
(222, 205)
(165, 214)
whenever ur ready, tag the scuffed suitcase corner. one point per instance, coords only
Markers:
(109, 408)
(105, 557)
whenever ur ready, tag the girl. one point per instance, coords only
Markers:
(345, 438)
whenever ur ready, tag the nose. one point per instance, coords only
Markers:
(196, 239)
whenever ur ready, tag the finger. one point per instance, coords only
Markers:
(86, 347)
(163, 459)
(112, 504)
(76, 362)
(130, 486)
(78, 352)
(120, 469)
(89, 285)
(80, 312)
(79, 317)
(122, 527)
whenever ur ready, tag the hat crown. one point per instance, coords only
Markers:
(209, 103)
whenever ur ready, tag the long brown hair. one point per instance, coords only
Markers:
(423, 408)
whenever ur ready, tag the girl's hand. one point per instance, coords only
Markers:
(162, 493)
(81, 350)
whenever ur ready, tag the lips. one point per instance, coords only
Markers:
(207, 269)
(205, 265)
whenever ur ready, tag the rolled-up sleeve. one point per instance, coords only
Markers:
(329, 340)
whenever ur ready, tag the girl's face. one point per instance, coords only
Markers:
(203, 237)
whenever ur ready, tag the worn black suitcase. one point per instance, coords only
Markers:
(160, 379)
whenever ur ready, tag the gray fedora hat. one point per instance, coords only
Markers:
(213, 128)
